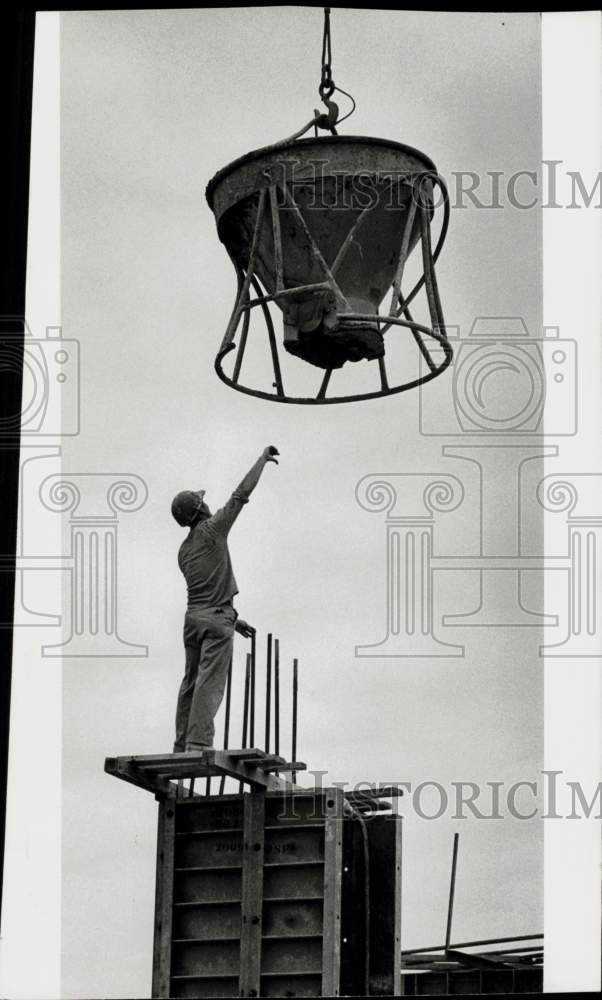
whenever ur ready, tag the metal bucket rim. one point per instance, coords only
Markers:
(365, 140)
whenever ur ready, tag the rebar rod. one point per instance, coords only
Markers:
(277, 697)
(252, 691)
(245, 710)
(222, 783)
(452, 890)
(268, 692)
(294, 727)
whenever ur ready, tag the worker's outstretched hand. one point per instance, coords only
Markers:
(243, 628)
(269, 453)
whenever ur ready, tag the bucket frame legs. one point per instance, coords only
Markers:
(250, 295)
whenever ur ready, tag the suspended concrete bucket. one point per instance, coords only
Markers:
(323, 227)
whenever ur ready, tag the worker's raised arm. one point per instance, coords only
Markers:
(253, 476)
(224, 518)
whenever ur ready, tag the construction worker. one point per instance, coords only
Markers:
(210, 620)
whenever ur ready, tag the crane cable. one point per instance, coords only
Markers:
(326, 89)
(327, 85)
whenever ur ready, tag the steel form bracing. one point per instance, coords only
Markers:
(510, 965)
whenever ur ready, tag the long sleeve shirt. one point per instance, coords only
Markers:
(204, 558)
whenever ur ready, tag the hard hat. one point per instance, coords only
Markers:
(185, 505)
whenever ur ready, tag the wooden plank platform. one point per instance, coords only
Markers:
(154, 772)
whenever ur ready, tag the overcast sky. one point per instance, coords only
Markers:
(153, 103)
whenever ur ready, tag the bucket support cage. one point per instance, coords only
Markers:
(328, 271)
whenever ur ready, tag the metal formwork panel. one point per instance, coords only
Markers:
(302, 894)
(333, 862)
(251, 927)
(164, 898)
(384, 838)
(207, 895)
(265, 894)
(249, 895)
(371, 906)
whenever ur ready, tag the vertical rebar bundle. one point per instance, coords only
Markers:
(249, 704)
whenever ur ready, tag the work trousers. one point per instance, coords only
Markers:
(208, 642)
